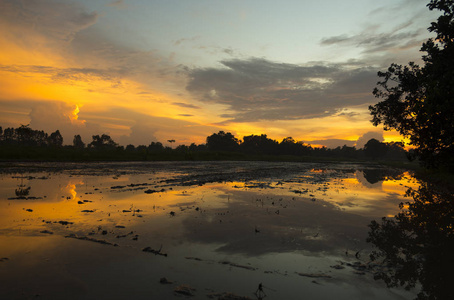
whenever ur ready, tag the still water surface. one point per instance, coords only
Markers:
(78, 231)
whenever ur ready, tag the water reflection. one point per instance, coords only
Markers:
(417, 245)
(381, 174)
(270, 221)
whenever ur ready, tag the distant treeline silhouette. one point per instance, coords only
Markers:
(25, 143)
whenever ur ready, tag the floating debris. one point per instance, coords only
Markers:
(164, 280)
(227, 296)
(338, 267)
(46, 231)
(193, 258)
(86, 238)
(125, 235)
(64, 222)
(313, 275)
(185, 289)
(300, 192)
(117, 187)
(155, 252)
(237, 265)
(149, 191)
(25, 198)
(137, 184)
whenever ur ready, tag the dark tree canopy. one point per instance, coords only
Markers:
(18, 142)
(222, 141)
(375, 149)
(103, 141)
(77, 142)
(25, 136)
(55, 139)
(155, 146)
(418, 101)
(289, 146)
(259, 144)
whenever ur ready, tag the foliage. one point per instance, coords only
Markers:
(259, 144)
(77, 142)
(55, 139)
(374, 149)
(26, 136)
(102, 142)
(417, 245)
(222, 141)
(26, 143)
(419, 101)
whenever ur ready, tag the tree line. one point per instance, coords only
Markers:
(25, 142)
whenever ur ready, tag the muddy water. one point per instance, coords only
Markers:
(79, 231)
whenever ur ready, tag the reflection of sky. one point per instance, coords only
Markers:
(328, 204)
(257, 221)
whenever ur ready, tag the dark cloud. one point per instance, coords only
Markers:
(67, 74)
(93, 49)
(185, 115)
(58, 20)
(229, 51)
(65, 28)
(399, 42)
(375, 42)
(349, 114)
(257, 89)
(185, 105)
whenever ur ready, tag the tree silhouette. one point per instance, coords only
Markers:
(259, 144)
(375, 149)
(155, 146)
(418, 244)
(130, 148)
(77, 142)
(102, 142)
(289, 146)
(419, 101)
(222, 141)
(55, 139)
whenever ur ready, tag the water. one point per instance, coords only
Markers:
(77, 231)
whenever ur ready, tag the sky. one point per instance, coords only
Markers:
(145, 71)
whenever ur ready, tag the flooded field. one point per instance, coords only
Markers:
(214, 230)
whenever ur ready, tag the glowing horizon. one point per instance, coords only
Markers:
(119, 68)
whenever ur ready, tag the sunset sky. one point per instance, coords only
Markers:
(147, 70)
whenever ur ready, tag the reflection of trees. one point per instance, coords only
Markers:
(375, 175)
(418, 244)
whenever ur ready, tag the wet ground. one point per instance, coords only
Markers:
(211, 230)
